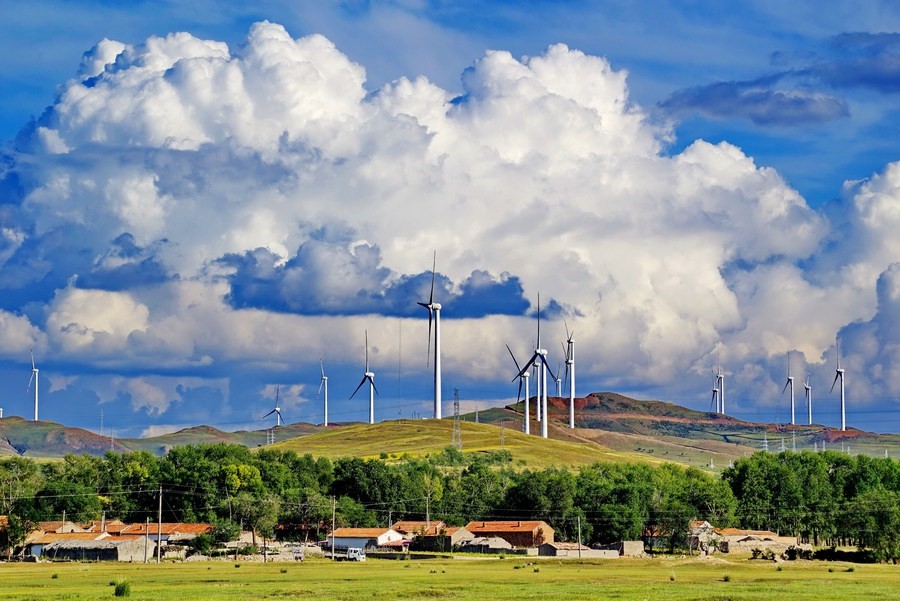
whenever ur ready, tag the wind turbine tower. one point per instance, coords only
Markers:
(34, 378)
(720, 384)
(790, 382)
(277, 409)
(540, 355)
(434, 310)
(570, 373)
(370, 376)
(323, 385)
(838, 375)
(808, 390)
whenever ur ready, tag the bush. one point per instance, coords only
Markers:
(726, 578)
(54, 576)
(123, 588)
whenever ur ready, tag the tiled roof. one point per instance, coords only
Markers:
(4, 521)
(359, 532)
(111, 526)
(52, 537)
(739, 532)
(568, 546)
(419, 527)
(168, 528)
(516, 526)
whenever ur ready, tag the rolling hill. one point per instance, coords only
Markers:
(611, 427)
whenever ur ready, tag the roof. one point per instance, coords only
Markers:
(359, 532)
(108, 526)
(104, 543)
(56, 526)
(517, 526)
(739, 532)
(4, 521)
(168, 528)
(699, 524)
(52, 537)
(419, 527)
(568, 546)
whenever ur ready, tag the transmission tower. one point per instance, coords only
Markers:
(457, 430)
(793, 441)
(270, 436)
(765, 442)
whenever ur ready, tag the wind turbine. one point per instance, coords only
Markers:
(720, 384)
(808, 389)
(276, 410)
(34, 378)
(790, 382)
(839, 375)
(540, 355)
(522, 376)
(434, 310)
(372, 390)
(570, 373)
(323, 384)
(558, 381)
(715, 393)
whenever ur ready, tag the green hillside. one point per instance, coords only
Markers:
(159, 445)
(49, 439)
(393, 439)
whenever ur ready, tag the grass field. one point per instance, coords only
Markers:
(510, 578)
(422, 437)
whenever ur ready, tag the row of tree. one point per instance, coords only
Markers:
(824, 496)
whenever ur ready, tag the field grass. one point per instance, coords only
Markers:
(510, 578)
(422, 437)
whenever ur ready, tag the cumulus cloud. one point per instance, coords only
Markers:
(195, 210)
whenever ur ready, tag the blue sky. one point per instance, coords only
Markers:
(190, 219)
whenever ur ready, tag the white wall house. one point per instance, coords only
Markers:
(365, 538)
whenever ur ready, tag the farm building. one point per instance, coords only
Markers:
(516, 533)
(168, 531)
(110, 548)
(38, 540)
(735, 540)
(486, 544)
(412, 528)
(446, 539)
(625, 548)
(576, 551)
(364, 538)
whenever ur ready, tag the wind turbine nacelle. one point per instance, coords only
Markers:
(541, 351)
(370, 374)
(435, 306)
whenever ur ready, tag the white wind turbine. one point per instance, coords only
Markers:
(434, 310)
(570, 373)
(839, 375)
(323, 384)
(540, 355)
(558, 382)
(34, 378)
(370, 376)
(790, 382)
(277, 409)
(522, 375)
(720, 384)
(715, 393)
(808, 390)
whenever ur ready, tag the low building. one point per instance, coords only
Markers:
(702, 537)
(736, 540)
(575, 551)
(486, 544)
(62, 527)
(446, 539)
(38, 541)
(624, 548)
(411, 528)
(109, 548)
(167, 531)
(364, 538)
(517, 533)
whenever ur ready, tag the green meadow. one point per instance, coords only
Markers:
(512, 577)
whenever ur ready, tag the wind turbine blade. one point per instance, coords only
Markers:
(428, 348)
(322, 365)
(539, 321)
(321, 384)
(268, 414)
(547, 365)
(566, 381)
(514, 359)
(836, 376)
(568, 334)
(785, 386)
(277, 390)
(375, 388)
(361, 382)
(367, 350)
(527, 365)
(32, 359)
(30, 380)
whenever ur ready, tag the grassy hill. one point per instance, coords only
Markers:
(160, 445)
(393, 439)
(49, 439)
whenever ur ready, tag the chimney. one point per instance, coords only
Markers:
(518, 524)
(102, 521)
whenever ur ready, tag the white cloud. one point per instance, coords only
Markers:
(544, 169)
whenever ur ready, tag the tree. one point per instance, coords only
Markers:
(874, 519)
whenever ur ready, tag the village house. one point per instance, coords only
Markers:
(108, 548)
(575, 551)
(363, 538)
(446, 539)
(516, 533)
(411, 528)
(486, 544)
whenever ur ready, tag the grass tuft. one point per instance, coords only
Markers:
(54, 576)
(726, 578)
(123, 588)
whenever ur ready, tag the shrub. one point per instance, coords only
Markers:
(123, 588)
(54, 576)
(726, 578)
(830, 570)
(536, 570)
(850, 569)
(284, 570)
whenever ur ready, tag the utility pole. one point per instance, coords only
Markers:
(579, 536)
(159, 529)
(333, 510)
(501, 434)
(147, 539)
